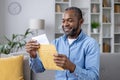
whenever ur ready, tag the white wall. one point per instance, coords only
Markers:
(2, 22)
(43, 9)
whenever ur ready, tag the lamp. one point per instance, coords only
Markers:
(36, 24)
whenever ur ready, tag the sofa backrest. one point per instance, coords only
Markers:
(109, 66)
(109, 69)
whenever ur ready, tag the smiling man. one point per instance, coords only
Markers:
(78, 54)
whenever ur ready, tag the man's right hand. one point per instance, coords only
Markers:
(31, 47)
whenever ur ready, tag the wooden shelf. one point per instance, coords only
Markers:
(107, 25)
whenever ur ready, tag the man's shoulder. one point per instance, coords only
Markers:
(90, 40)
(85, 37)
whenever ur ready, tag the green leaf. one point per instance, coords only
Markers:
(17, 41)
(7, 38)
(95, 24)
(27, 32)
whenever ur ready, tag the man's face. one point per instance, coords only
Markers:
(71, 23)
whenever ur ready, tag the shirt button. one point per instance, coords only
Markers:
(76, 75)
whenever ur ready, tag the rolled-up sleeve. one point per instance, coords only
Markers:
(36, 65)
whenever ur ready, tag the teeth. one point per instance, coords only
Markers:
(66, 29)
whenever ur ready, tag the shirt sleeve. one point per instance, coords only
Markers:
(91, 70)
(36, 65)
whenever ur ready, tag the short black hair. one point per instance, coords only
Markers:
(77, 10)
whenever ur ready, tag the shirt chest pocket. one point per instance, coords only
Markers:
(77, 56)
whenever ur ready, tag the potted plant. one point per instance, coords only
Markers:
(17, 42)
(95, 26)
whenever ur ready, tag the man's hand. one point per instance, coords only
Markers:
(31, 48)
(62, 61)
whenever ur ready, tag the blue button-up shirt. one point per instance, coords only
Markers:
(83, 52)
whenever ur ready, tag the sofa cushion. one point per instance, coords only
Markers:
(26, 67)
(47, 75)
(11, 68)
(109, 66)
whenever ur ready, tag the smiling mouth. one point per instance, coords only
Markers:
(67, 29)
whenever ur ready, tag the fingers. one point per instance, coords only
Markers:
(60, 63)
(32, 41)
(60, 60)
(59, 57)
(32, 45)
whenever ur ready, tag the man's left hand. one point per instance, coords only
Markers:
(62, 61)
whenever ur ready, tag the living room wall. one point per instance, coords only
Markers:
(2, 22)
(31, 9)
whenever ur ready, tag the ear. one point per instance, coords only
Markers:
(81, 21)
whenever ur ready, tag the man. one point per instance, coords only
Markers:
(78, 54)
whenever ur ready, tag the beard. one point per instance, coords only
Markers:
(73, 32)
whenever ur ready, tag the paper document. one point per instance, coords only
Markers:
(42, 39)
(46, 52)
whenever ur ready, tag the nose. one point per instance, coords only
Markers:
(66, 24)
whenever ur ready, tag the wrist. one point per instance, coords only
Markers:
(33, 55)
(72, 68)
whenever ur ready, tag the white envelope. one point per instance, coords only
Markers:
(42, 39)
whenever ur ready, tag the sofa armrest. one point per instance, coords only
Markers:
(26, 68)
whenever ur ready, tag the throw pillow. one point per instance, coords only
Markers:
(11, 68)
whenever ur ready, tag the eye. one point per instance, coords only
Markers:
(70, 20)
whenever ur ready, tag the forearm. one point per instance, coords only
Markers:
(86, 74)
(36, 65)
